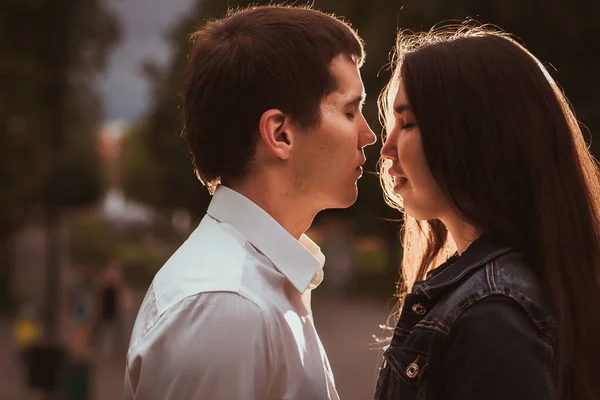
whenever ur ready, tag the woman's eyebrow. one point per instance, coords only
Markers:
(399, 109)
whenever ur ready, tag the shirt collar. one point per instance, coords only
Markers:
(301, 261)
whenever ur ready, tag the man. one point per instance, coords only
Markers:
(273, 120)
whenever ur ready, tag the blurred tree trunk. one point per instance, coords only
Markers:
(6, 276)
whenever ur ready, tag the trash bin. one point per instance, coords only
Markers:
(44, 365)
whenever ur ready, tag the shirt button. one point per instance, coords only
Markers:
(412, 370)
(418, 309)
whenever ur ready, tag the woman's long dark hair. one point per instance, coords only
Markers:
(503, 144)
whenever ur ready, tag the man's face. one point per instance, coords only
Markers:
(327, 160)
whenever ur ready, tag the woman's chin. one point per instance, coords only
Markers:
(417, 213)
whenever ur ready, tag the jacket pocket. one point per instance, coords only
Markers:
(402, 375)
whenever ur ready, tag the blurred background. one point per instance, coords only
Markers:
(97, 191)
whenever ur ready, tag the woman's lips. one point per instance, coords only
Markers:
(400, 182)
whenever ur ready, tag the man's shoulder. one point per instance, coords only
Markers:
(195, 338)
(211, 259)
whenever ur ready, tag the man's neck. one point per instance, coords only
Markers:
(285, 206)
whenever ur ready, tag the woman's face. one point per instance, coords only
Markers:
(421, 195)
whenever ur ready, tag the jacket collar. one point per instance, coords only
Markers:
(456, 269)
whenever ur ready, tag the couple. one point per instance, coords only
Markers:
(482, 154)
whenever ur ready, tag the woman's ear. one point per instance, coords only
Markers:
(275, 131)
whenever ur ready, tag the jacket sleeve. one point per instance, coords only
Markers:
(495, 352)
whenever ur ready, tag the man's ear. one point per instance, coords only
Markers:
(275, 131)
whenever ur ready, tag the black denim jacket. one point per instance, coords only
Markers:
(477, 328)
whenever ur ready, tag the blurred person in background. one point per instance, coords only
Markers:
(111, 314)
(502, 225)
(273, 120)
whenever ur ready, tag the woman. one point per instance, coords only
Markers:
(486, 159)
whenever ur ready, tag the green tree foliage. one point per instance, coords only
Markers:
(25, 128)
(137, 171)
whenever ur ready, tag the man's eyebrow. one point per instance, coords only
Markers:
(399, 109)
(357, 100)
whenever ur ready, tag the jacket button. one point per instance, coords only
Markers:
(412, 370)
(418, 309)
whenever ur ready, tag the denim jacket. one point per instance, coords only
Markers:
(478, 327)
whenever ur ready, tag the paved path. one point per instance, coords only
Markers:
(346, 328)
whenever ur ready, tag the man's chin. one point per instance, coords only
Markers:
(341, 199)
(348, 199)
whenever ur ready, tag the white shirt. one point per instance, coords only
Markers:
(228, 316)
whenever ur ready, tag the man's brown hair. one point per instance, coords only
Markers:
(253, 60)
